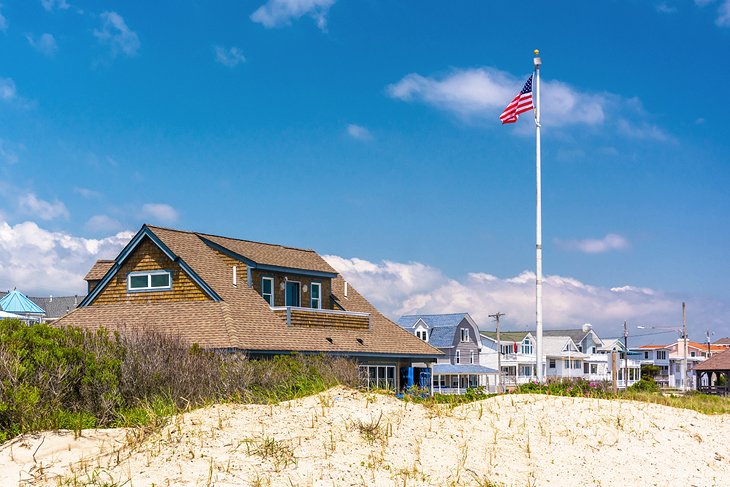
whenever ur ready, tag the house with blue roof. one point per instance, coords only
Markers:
(457, 336)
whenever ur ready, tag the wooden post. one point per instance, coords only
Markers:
(614, 371)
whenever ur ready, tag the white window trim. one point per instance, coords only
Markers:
(464, 336)
(458, 356)
(271, 301)
(422, 333)
(471, 357)
(311, 295)
(149, 275)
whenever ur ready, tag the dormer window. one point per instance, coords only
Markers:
(465, 334)
(526, 347)
(316, 295)
(422, 333)
(149, 281)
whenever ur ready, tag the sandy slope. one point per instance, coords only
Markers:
(512, 440)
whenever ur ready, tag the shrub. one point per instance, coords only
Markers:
(644, 385)
(70, 378)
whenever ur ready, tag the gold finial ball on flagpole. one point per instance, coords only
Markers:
(537, 53)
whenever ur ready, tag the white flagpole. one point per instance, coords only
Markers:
(538, 225)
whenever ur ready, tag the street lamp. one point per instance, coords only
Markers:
(683, 331)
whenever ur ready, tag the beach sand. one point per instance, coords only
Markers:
(346, 437)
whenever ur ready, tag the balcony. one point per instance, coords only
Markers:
(327, 318)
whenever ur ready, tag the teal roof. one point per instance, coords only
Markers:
(17, 302)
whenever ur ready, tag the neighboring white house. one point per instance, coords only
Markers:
(670, 360)
(517, 356)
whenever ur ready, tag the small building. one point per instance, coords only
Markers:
(228, 295)
(713, 375)
(18, 303)
(457, 336)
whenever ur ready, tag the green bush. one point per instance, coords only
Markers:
(67, 378)
(644, 385)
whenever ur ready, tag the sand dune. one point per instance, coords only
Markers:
(345, 437)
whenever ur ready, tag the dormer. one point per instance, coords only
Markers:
(420, 329)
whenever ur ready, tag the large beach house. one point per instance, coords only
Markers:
(229, 294)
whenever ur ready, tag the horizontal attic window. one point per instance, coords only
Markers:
(149, 281)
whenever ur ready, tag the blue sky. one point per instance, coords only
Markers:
(369, 131)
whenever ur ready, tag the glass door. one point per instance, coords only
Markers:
(292, 293)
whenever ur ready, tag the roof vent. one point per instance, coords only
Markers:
(346, 286)
(235, 276)
(359, 340)
(329, 339)
(587, 327)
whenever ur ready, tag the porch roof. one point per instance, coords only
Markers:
(462, 369)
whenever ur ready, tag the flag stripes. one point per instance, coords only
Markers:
(519, 104)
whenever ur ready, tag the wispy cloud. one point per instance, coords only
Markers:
(159, 212)
(276, 13)
(32, 205)
(608, 243)
(102, 223)
(482, 93)
(45, 44)
(3, 21)
(8, 92)
(229, 56)
(87, 193)
(401, 288)
(117, 35)
(723, 14)
(42, 262)
(358, 132)
(7, 154)
(50, 5)
(666, 9)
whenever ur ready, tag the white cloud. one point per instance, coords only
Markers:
(41, 262)
(231, 56)
(32, 205)
(595, 246)
(7, 155)
(358, 132)
(50, 5)
(115, 33)
(45, 44)
(7, 89)
(482, 93)
(723, 14)
(398, 288)
(159, 212)
(102, 223)
(643, 130)
(276, 13)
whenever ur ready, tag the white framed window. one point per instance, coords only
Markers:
(471, 357)
(594, 368)
(551, 363)
(576, 364)
(526, 347)
(267, 290)
(661, 354)
(422, 333)
(458, 356)
(465, 334)
(316, 296)
(646, 355)
(149, 281)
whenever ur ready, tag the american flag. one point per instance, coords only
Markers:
(520, 104)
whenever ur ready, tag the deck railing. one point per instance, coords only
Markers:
(296, 316)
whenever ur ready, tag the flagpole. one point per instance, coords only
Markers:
(538, 224)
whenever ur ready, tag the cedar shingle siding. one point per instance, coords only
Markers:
(149, 257)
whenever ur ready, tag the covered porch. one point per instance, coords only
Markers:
(457, 379)
(713, 375)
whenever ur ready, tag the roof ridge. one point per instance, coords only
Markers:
(201, 234)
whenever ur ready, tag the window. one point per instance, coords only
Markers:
(292, 294)
(316, 295)
(692, 354)
(465, 334)
(594, 368)
(267, 290)
(149, 281)
(526, 370)
(551, 363)
(458, 356)
(526, 347)
(566, 364)
(422, 334)
(585, 367)
(377, 376)
(661, 354)
(576, 364)
(471, 357)
(646, 355)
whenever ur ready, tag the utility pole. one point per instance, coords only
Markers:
(684, 346)
(626, 357)
(498, 385)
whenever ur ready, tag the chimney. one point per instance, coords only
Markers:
(76, 300)
(50, 299)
